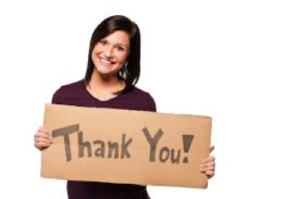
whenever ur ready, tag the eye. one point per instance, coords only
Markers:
(103, 42)
(120, 48)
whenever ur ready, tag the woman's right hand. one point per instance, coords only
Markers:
(42, 139)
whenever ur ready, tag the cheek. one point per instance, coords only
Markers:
(93, 56)
(122, 58)
(97, 49)
(95, 53)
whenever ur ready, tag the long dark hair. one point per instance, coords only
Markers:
(130, 72)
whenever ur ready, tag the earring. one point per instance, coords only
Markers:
(125, 66)
(124, 71)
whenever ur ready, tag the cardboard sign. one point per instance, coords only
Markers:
(122, 146)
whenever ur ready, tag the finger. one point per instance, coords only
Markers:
(44, 140)
(43, 135)
(209, 159)
(212, 148)
(41, 145)
(205, 165)
(205, 169)
(210, 173)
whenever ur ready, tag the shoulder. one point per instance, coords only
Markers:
(141, 93)
(67, 91)
(143, 99)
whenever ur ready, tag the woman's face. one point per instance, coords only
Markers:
(110, 53)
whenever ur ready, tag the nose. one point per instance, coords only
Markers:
(108, 52)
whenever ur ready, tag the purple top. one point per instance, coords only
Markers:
(76, 94)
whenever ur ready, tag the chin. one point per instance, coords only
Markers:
(106, 72)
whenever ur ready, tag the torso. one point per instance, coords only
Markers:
(76, 94)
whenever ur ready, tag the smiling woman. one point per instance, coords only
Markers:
(114, 54)
(112, 73)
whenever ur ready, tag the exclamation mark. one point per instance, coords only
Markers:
(187, 142)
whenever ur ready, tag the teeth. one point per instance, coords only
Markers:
(105, 61)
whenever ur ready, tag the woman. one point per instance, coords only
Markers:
(112, 72)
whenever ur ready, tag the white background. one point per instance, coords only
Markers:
(237, 61)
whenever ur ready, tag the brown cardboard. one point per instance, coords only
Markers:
(130, 159)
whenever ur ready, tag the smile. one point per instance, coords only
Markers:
(106, 62)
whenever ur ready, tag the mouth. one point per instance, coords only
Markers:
(106, 62)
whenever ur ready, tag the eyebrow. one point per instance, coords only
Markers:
(117, 44)
(120, 44)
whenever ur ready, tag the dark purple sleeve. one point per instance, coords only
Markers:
(56, 98)
(151, 105)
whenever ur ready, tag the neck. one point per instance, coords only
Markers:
(105, 82)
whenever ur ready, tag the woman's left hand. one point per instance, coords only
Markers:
(207, 165)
